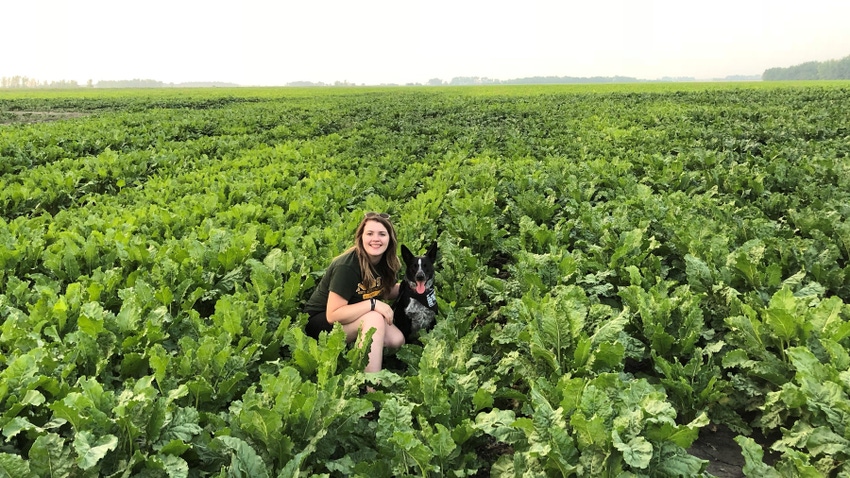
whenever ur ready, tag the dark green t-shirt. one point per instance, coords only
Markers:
(344, 278)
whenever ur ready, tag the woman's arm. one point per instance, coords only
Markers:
(339, 310)
(394, 293)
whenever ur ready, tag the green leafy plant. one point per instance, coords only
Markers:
(619, 266)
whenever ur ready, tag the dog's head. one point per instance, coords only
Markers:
(419, 270)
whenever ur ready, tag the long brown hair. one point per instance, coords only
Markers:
(389, 265)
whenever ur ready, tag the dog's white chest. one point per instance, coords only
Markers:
(421, 317)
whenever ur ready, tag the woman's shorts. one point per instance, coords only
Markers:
(318, 323)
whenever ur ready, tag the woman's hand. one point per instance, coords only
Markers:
(386, 310)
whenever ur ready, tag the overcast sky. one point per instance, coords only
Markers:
(266, 42)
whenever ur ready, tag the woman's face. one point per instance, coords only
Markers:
(375, 240)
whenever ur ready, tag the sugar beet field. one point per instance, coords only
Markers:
(624, 271)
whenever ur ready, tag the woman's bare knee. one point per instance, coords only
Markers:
(372, 320)
(393, 338)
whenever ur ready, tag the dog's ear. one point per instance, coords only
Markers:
(406, 255)
(432, 252)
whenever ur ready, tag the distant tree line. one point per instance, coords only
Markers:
(26, 82)
(533, 80)
(139, 83)
(811, 70)
(560, 80)
(320, 83)
(571, 79)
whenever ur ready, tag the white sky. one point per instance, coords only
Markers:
(266, 42)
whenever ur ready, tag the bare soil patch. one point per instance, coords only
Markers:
(717, 445)
(27, 117)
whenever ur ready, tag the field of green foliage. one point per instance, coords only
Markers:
(621, 268)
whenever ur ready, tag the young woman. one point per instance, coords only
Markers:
(350, 290)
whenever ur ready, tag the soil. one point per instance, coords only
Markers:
(717, 445)
(15, 117)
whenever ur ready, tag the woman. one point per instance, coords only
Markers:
(349, 291)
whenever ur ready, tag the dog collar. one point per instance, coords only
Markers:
(431, 295)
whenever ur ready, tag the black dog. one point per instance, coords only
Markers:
(415, 308)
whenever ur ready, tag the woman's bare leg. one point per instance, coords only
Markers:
(357, 331)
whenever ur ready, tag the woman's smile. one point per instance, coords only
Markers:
(376, 246)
